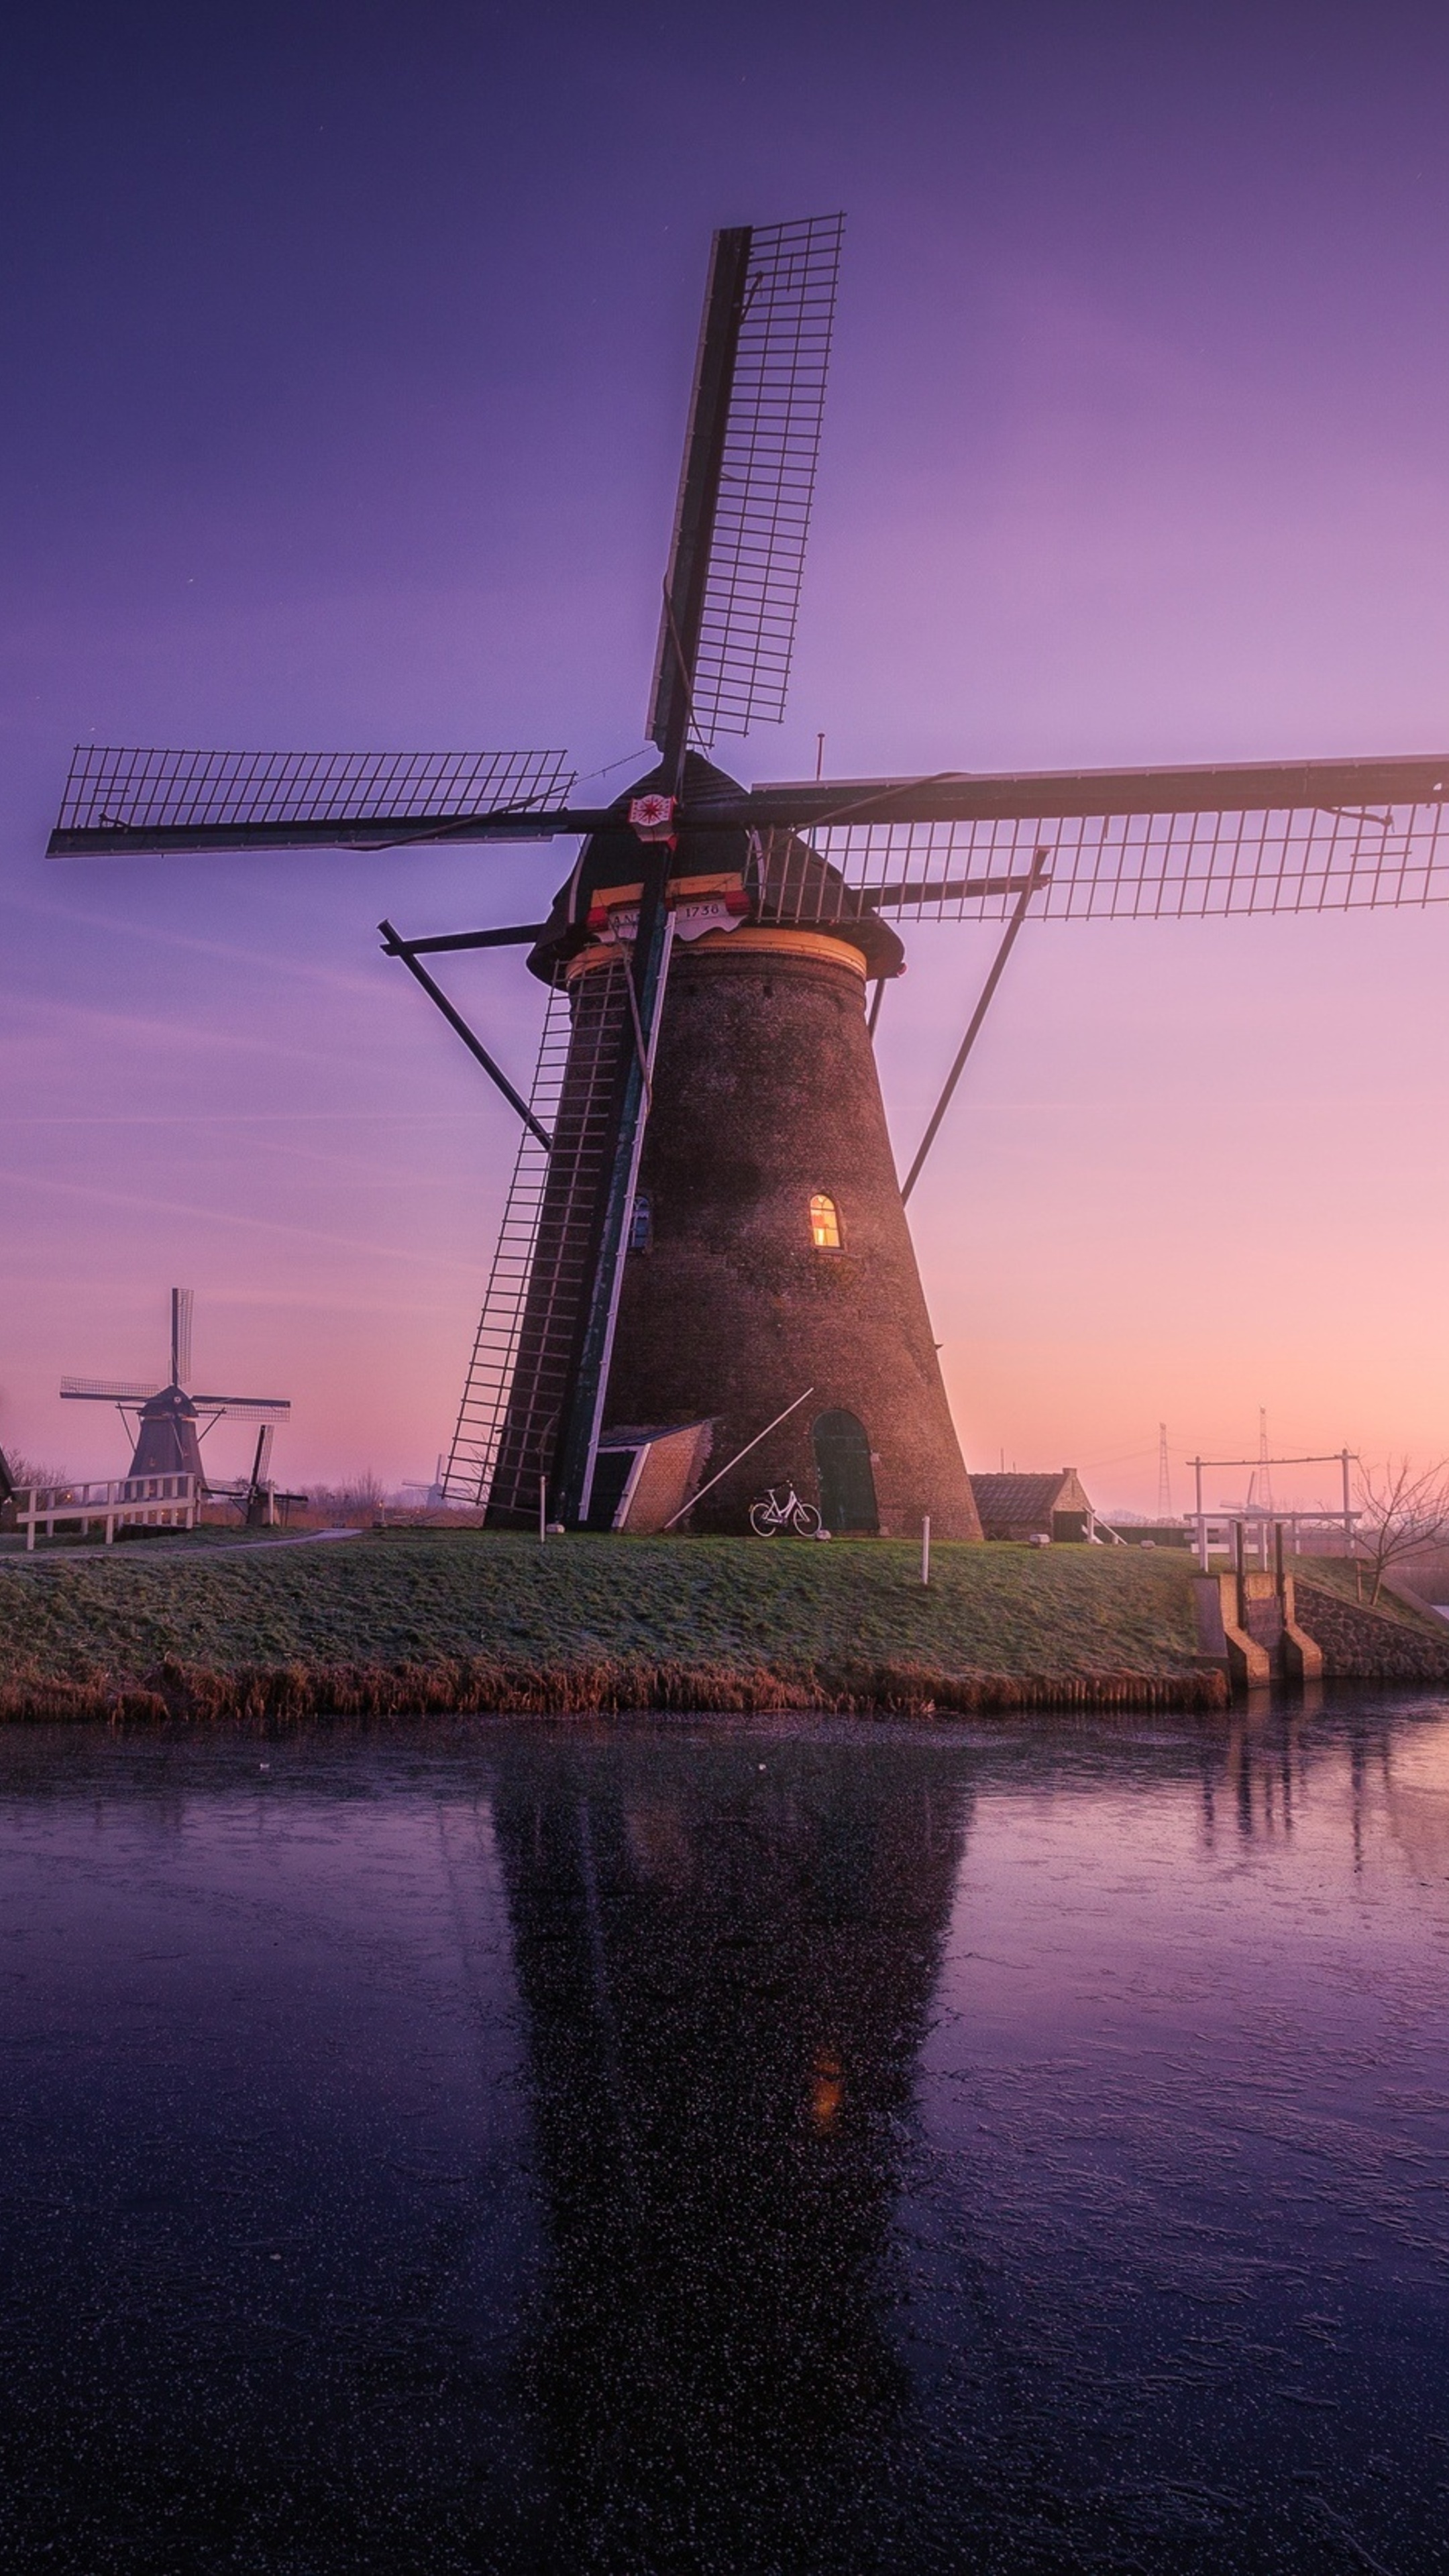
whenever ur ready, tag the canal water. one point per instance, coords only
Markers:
(728, 2146)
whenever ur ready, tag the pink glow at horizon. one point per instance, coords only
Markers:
(340, 431)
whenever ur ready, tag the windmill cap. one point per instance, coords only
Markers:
(801, 890)
(170, 1400)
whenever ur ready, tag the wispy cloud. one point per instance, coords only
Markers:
(135, 1204)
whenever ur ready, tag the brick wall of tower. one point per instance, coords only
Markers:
(765, 1093)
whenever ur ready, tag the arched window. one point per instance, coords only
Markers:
(641, 1224)
(824, 1223)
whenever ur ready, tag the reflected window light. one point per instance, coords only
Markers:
(824, 1223)
(641, 1225)
(827, 2085)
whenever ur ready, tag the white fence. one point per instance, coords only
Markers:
(1215, 1533)
(153, 1502)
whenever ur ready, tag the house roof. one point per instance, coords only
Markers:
(1020, 1502)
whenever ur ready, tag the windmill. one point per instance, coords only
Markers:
(705, 1236)
(171, 1423)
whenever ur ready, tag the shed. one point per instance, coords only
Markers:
(644, 1478)
(1053, 1505)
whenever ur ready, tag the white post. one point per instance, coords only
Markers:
(926, 1549)
(542, 1510)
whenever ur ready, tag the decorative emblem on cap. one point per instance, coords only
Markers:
(653, 817)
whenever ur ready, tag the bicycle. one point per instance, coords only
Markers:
(770, 1515)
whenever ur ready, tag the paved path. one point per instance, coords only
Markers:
(174, 1548)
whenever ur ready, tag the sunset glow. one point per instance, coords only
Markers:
(338, 427)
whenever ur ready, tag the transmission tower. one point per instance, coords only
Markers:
(1164, 1476)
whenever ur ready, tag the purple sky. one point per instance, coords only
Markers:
(347, 351)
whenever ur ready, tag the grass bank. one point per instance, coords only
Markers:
(423, 1621)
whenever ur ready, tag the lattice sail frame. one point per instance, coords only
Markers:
(771, 451)
(473, 1453)
(1117, 867)
(129, 790)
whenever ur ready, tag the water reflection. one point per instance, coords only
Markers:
(710, 2148)
(726, 1959)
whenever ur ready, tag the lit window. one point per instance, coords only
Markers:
(641, 1225)
(824, 1224)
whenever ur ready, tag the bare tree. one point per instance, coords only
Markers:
(34, 1471)
(31, 1471)
(1402, 1513)
(24, 1471)
(16, 1473)
(361, 1500)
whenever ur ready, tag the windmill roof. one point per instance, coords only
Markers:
(804, 887)
(167, 1400)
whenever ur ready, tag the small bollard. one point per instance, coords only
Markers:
(926, 1549)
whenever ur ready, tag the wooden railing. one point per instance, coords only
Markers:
(153, 1502)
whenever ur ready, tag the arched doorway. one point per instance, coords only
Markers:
(842, 1463)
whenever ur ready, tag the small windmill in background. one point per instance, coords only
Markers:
(1260, 1483)
(171, 1423)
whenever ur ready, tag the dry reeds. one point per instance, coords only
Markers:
(607, 1686)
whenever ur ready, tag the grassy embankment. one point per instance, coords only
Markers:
(466, 1620)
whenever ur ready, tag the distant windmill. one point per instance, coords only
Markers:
(434, 1495)
(172, 1423)
(705, 1228)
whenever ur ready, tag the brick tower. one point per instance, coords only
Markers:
(769, 1247)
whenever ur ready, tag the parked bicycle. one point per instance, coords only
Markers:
(782, 1509)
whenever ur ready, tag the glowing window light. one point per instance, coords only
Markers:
(824, 1223)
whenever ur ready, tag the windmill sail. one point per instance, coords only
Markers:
(105, 1390)
(473, 1456)
(200, 800)
(1152, 845)
(525, 1369)
(246, 1408)
(1151, 866)
(182, 1302)
(737, 558)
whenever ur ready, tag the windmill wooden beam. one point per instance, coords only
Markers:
(1031, 795)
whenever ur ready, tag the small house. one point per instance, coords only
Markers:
(1052, 1506)
(645, 1479)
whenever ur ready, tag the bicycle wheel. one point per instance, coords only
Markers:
(806, 1519)
(763, 1520)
